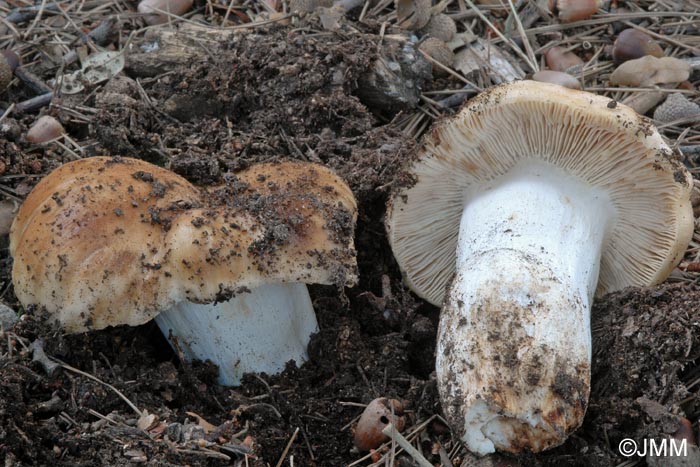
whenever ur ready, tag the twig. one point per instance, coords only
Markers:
(34, 103)
(32, 81)
(286, 449)
(391, 432)
(509, 42)
(96, 379)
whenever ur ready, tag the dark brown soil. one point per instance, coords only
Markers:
(221, 114)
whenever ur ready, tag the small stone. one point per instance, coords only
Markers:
(8, 316)
(174, 432)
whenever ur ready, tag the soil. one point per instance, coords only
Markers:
(221, 114)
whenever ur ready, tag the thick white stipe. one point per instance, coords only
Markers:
(514, 345)
(239, 337)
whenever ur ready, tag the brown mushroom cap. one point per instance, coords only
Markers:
(602, 143)
(107, 241)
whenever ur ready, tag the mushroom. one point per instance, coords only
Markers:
(650, 70)
(107, 241)
(522, 206)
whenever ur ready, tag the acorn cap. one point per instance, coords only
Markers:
(440, 27)
(607, 146)
(308, 6)
(676, 107)
(438, 51)
(412, 14)
(106, 241)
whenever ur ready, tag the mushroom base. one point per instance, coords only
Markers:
(514, 344)
(238, 336)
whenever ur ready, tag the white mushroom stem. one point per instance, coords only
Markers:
(514, 345)
(256, 332)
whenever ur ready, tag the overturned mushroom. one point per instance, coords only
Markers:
(101, 242)
(526, 203)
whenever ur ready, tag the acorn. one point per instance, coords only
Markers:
(174, 7)
(684, 431)
(557, 77)
(575, 10)
(559, 59)
(631, 44)
(9, 61)
(440, 27)
(413, 14)
(308, 6)
(438, 51)
(45, 129)
(377, 415)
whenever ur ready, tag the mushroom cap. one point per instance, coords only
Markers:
(107, 241)
(608, 146)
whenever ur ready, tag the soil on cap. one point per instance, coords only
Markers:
(370, 343)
